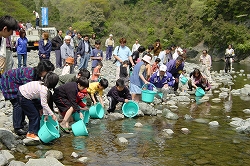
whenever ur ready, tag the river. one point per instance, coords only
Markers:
(202, 146)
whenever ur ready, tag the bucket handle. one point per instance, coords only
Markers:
(147, 84)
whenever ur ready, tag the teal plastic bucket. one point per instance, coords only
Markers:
(76, 116)
(130, 109)
(96, 111)
(199, 92)
(48, 132)
(184, 80)
(79, 128)
(148, 95)
(50, 120)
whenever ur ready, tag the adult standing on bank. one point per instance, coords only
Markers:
(135, 46)
(206, 64)
(122, 53)
(44, 47)
(37, 19)
(84, 50)
(109, 44)
(21, 45)
(57, 42)
(229, 57)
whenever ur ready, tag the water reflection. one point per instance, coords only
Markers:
(78, 143)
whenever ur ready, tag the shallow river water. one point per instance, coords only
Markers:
(148, 146)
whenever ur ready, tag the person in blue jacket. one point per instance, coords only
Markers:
(21, 46)
(44, 47)
(161, 79)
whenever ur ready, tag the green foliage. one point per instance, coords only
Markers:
(180, 22)
(83, 27)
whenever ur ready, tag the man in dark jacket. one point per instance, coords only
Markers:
(57, 42)
(118, 93)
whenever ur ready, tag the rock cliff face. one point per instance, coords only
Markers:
(217, 54)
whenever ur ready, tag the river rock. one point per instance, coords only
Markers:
(16, 163)
(216, 100)
(3, 160)
(48, 161)
(21, 148)
(83, 159)
(147, 109)
(182, 98)
(31, 142)
(188, 117)
(200, 120)
(122, 140)
(55, 154)
(168, 131)
(185, 131)
(171, 115)
(7, 154)
(213, 124)
(115, 116)
(140, 114)
(246, 111)
(157, 101)
(223, 95)
(138, 124)
(236, 92)
(74, 154)
(8, 139)
(184, 94)
(171, 102)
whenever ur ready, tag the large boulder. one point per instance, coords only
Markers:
(8, 139)
(48, 161)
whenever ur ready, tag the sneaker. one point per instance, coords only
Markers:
(32, 136)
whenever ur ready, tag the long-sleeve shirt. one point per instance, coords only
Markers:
(68, 91)
(66, 51)
(44, 48)
(159, 81)
(206, 60)
(63, 79)
(35, 90)
(174, 69)
(12, 79)
(119, 95)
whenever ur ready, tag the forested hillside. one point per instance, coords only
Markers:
(183, 22)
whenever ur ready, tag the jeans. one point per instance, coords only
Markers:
(84, 61)
(20, 57)
(109, 52)
(58, 58)
(18, 114)
(30, 109)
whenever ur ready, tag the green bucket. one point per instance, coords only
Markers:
(76, 116)
(96, 111)
(148, 95)
(199, 92)
(130, 109)
(48, 132)
(79, 128)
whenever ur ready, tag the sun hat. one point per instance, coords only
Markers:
(147, 58)
(111, 35)
(70, 60)
(163, 68)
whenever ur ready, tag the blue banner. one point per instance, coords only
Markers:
(45, 16)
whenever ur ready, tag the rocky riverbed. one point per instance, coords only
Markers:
(168, 108)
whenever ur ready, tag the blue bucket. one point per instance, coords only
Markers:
(48, 132)
(148, 95)
(184, 80)
(76, 116)
(130, 109)
(79, 128)
(199, 92)
(96, 111)
(50, 120)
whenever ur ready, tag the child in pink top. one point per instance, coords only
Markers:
(34, 97)
(96, 72)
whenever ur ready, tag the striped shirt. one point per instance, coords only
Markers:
(12, 79)
(35, 90)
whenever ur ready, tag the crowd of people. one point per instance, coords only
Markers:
(33, 90)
